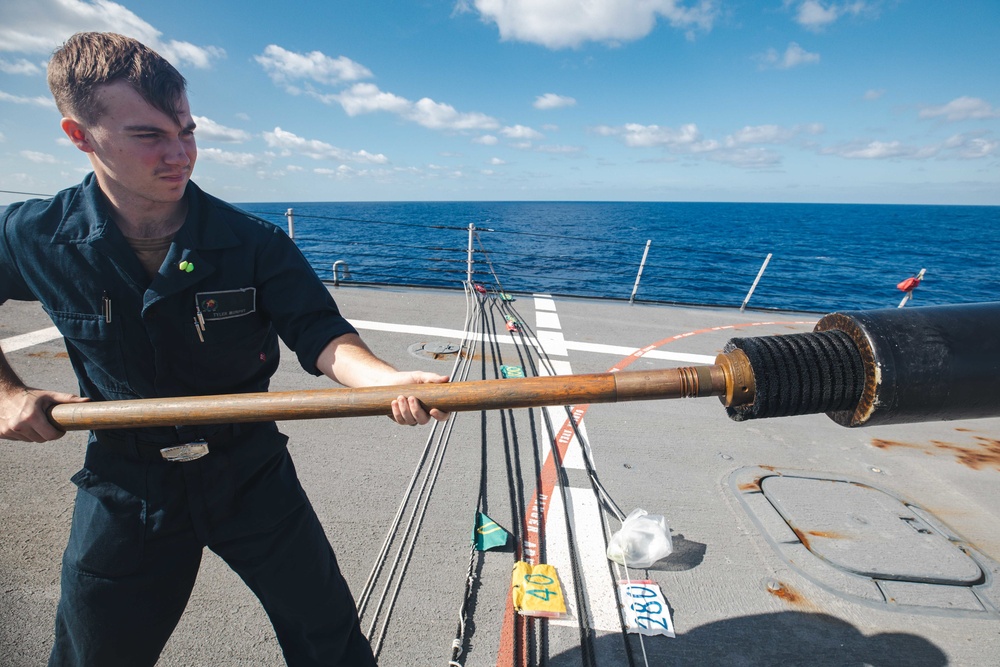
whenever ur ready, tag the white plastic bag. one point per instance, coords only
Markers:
(642, 540)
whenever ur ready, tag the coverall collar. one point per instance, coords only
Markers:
(87, 221)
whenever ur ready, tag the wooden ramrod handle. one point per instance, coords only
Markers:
(449, 397)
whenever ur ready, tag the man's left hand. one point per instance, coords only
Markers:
(408, 410)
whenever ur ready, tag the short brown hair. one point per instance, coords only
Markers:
(89, 60)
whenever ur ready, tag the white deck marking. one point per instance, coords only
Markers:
(598, 348)
(597, 585)
(545, 320)
(22, 341)
(542, 303)
(552, 342)
(584, 511)
(27, 340)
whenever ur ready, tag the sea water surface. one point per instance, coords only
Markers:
(824, 257)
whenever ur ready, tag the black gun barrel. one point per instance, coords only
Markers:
(890, 366)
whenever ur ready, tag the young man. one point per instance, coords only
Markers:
(162, 290)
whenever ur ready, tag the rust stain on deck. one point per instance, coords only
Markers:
(782, 590)
(982, 454)
(985, 455)
(49, 355)
(750, 486)
(806, 535)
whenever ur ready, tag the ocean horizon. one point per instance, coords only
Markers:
(824, 257)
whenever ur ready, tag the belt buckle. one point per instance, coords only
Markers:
(186, 452)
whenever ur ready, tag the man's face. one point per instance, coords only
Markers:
(140, 154)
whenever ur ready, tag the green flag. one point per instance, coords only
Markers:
(487, 534)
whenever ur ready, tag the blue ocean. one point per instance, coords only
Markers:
(824, 257)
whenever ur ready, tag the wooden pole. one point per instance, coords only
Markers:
(366, 401)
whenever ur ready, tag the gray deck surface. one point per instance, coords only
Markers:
(739, 595)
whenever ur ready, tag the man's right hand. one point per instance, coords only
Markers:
(24, 414)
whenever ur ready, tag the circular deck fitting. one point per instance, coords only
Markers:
(438, 350)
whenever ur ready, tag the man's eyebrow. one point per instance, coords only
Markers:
(156, 129)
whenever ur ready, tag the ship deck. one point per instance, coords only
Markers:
(790, 535)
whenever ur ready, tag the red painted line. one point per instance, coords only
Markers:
(537, 512)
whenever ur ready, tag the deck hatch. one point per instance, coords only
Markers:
(865, 544)
(866, 531)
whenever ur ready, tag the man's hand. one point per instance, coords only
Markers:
(348, 361)
(407, 410)
(24, 416)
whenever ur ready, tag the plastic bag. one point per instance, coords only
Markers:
(642, 540)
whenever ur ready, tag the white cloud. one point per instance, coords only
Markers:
(968, 146)
(345, 172)
(40, 101)
(646, 136)
(486, 140)
(439, 116)
(560, 149)
(815, 15)
(284, 66)
(871, 95)
(742, 148)
(962, 108)
(521, 132)
(230, 158)
(40, 26)
(20, 66)
(769, 134)
(496, 161)
(553, 101)
(289, 143)
(367, 98)
(747, 158)
(39, 158)
(559, 24)
(209, 130)
(793, 56)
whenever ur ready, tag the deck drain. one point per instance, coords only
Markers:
(863, 543)
(437, 350)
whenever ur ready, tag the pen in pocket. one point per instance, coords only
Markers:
(107, 307)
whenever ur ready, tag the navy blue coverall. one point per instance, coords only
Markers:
(140, 523)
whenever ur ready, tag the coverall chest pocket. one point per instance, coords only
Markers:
(98, 345)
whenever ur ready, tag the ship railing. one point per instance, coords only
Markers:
(389, 252)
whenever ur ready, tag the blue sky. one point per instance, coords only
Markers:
(869, 101)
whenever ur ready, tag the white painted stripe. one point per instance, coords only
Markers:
(598, 348)
(598, 589)
(545, 320)
(22, 341)
(621, 351)
(560, 366)
(27, 340)
(625, 351)
(584, 511)
(545, 304)
(553, 343)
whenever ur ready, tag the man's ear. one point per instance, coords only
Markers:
(76, 134)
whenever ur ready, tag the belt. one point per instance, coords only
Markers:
(132, 447)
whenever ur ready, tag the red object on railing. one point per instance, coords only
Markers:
(909, 284)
